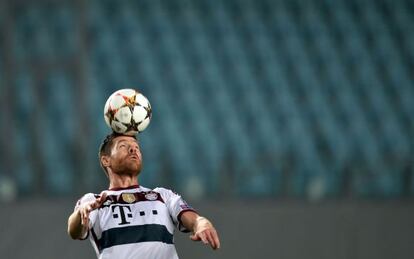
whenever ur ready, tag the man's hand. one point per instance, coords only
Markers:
(205, 232)
(87, 207)
(78, 222)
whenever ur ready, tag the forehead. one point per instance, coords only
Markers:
(126, 139)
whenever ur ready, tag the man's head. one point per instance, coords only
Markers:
(120, 154)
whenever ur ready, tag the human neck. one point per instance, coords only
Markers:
(122, 181)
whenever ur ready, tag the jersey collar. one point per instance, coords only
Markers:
(124, 188)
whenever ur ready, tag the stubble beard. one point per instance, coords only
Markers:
(131, 168)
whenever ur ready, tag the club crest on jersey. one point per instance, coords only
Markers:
(128, 197)
(151, 196)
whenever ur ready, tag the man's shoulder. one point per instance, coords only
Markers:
(162, 190)
(89, 196)
(86, 198)
(166, 193)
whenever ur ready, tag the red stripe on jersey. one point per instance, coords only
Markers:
(131, 198)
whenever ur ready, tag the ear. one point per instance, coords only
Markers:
(105, 161)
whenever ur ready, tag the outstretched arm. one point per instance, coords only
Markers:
(202, 229)
(78, 221)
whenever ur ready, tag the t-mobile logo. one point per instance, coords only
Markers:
(124, 212)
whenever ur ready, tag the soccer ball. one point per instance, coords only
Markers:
(127, 111)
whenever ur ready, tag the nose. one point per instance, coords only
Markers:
(133, 149)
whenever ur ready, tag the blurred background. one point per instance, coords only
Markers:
(290, 123)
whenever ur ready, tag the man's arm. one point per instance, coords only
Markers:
(202, 229)
(78, 221)
(76, 229)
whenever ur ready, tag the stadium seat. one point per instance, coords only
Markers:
(306, 98)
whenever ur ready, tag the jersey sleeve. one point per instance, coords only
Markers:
(176, 206)
(93, 214)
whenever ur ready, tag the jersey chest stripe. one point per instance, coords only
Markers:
(135, 234)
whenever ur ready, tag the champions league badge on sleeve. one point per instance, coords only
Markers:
(184, 206)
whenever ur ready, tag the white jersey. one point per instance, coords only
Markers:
(136, 222)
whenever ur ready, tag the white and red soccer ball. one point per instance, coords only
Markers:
(127, 111)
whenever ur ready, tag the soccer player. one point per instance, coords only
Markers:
(129, 220)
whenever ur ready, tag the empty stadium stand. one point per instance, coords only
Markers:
(308, 99)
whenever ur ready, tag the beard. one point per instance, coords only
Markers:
(129, 166)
